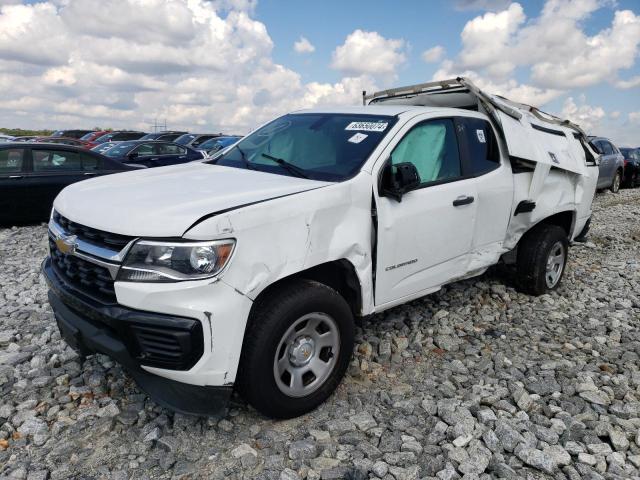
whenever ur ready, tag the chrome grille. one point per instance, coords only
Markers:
(103, 239)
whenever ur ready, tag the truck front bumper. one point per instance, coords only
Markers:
(136, 339)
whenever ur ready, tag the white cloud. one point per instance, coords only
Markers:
(487, 39)
(615, 114)
(508, 88)
(553, 47)
(303, 46)
(631, 83)
(433, 54)
(634, 116)
(587, 116)
(190, 64)
(481, 4)
(369, 53)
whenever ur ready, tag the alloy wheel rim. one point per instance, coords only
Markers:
(555, 264)
(306, 355)
(616, 182)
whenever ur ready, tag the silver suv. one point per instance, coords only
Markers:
(611, 163)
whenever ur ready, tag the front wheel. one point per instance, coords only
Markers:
(541, 260)
(615, 185)
(296, 350)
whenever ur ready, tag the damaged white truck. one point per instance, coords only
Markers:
(246, 270)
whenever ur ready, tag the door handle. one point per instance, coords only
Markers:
(15, 177)
(463, 200)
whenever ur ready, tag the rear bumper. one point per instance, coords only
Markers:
(91, 327)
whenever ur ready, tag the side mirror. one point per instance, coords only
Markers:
(398, 179)
(133, 155)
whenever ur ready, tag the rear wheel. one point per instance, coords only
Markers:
(541, 260)
(615, 185)
(297, 349)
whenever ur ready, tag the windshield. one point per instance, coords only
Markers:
(120, 150)
(630, 153)
(87, 136)
(185, 139)
(320, 146)
(105, 138)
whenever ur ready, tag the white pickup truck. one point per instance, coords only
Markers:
(246, 270)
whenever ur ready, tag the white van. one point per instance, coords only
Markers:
(246, 270)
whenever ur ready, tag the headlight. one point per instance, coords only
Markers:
(149, 261)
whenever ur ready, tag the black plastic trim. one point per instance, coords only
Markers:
(88, 336)
(548, 130)
(182, 336)
(525, 206)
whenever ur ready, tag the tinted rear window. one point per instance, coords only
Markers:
(11, 160)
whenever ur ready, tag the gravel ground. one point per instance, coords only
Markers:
(476, 381)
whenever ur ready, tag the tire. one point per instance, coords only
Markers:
(615, 184)
(535, 275)
(634, 180)
(282, 343)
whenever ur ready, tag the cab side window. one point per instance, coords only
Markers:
(432, 147)
(11, 160)
(89, 162)
(56, 161)
(608, 149)
(484, 155)
(146, 149)
(170, 149)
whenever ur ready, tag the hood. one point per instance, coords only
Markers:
(166, 201)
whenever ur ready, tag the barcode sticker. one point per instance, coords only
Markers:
(368, 126)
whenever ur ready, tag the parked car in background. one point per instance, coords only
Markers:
(611, 163)
(117, 136)
(70, 133)
(216, 144)
(6, 138)
(152, 153)
(631, 177)
(32, 174)
(167, 136)
(92, 136)
(26, 138)
(193, 140)
(103, 147)
(63, 140)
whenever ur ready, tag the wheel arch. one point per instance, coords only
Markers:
(565, 220)
(341, 275)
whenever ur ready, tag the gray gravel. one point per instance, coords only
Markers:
(476, 381)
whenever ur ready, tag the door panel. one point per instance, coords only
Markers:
(52, 170)
(424, 240)
(13, 163)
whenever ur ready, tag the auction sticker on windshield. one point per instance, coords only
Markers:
(367, 126)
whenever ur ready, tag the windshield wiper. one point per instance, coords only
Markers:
(286, 165)
(246, 162)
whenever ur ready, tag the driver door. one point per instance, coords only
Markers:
(424, 240)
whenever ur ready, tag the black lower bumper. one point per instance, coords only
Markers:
(89, 327)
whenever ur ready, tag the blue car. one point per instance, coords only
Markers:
(215, 144)
(152, 153)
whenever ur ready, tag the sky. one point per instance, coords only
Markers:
(231, 65)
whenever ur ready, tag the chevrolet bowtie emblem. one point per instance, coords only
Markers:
(67, 244)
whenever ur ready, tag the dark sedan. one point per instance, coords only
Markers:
(32, 175)
(152, 153)
(64, 141)
(631, 176)
(116, 136)
(167, 136)
(194, 140)
(70, 133)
